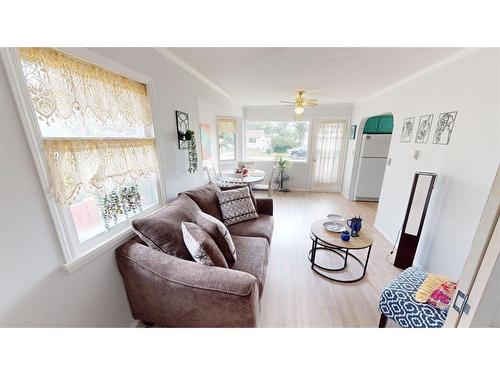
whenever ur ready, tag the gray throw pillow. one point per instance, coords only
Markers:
(201, 246)
(236, 205)
(219, 233)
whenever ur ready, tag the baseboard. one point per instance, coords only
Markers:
(383, 233)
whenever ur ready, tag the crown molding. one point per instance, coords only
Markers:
(172, 57)
(323, 105)
(455, 57)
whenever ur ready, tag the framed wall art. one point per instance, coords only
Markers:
(352, 134)
(424, 129)
(206, 143)
(407, 131)
(182, 121)
(444, 128)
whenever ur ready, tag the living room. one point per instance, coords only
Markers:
(200, 185)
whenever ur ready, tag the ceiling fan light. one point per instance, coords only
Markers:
(299, 110)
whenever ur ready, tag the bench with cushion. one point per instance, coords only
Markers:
(398, 303)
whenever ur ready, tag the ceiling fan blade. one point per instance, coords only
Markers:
(288, 105)
(285, 101)
(310, 100)
(309, 104)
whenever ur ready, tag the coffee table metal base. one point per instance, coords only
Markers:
(344, 253)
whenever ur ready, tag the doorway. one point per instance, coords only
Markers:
(328, 154)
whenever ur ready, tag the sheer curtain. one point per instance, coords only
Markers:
(96, 125)
(328, 147)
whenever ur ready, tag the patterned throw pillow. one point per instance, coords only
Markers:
(442, 296)
(219, 233)
(201, 246)
(236, 205)
(430, 284)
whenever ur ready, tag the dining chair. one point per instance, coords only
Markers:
(269, 186)
(212, 174)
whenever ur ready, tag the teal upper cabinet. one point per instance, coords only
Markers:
(379, 125)
(371, 126)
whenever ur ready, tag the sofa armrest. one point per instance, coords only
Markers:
(265, 206)
(168, 291)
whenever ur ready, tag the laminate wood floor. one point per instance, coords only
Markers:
(295, 296)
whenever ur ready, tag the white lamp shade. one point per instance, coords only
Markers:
(299, 110)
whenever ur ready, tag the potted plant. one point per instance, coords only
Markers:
(282, 164)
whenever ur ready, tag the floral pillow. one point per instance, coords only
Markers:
(442, 296)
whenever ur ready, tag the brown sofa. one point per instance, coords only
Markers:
(166, 287)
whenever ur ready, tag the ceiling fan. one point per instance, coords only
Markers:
(299, 104)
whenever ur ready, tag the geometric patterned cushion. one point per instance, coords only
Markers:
(219, 233)
(398, 303)
(236, 205)
(201, 246)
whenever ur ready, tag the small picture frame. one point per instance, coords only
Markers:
(352, 134)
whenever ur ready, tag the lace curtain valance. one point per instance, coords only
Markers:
(68, 91)
(227, 125)
(76, 165)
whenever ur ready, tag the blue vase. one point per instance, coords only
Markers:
(355, 225)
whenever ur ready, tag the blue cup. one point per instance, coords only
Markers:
(345, 236)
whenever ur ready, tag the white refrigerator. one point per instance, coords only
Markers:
(372, 162)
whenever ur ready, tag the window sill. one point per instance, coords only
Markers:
(109, 244)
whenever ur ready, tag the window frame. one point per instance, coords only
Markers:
(309, 138)
(77, 254)
(217, 118)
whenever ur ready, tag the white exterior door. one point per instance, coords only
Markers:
(328, 153)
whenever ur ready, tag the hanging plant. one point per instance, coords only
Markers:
(110, 209)
(192, 155)
(130, 199)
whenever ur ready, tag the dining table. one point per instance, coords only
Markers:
(230, 176)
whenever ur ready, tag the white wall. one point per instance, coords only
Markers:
(466, 167)
(299, 173)
(34, 290)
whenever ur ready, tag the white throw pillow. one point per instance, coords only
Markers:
(219, 233)
(201, 246)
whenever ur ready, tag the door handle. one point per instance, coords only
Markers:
(460, 304)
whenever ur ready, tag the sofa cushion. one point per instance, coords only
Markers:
(219, 233)
(253, 254)
(236, 205)
(201, 246)
(162, 229)
(260, 227)
(232, 187)
(205, 197)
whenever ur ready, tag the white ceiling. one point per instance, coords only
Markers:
(264, 76)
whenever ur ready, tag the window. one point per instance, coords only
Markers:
(96, 131)
(226, 130)
(265, 140)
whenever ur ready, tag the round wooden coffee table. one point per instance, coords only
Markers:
(330, 241)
